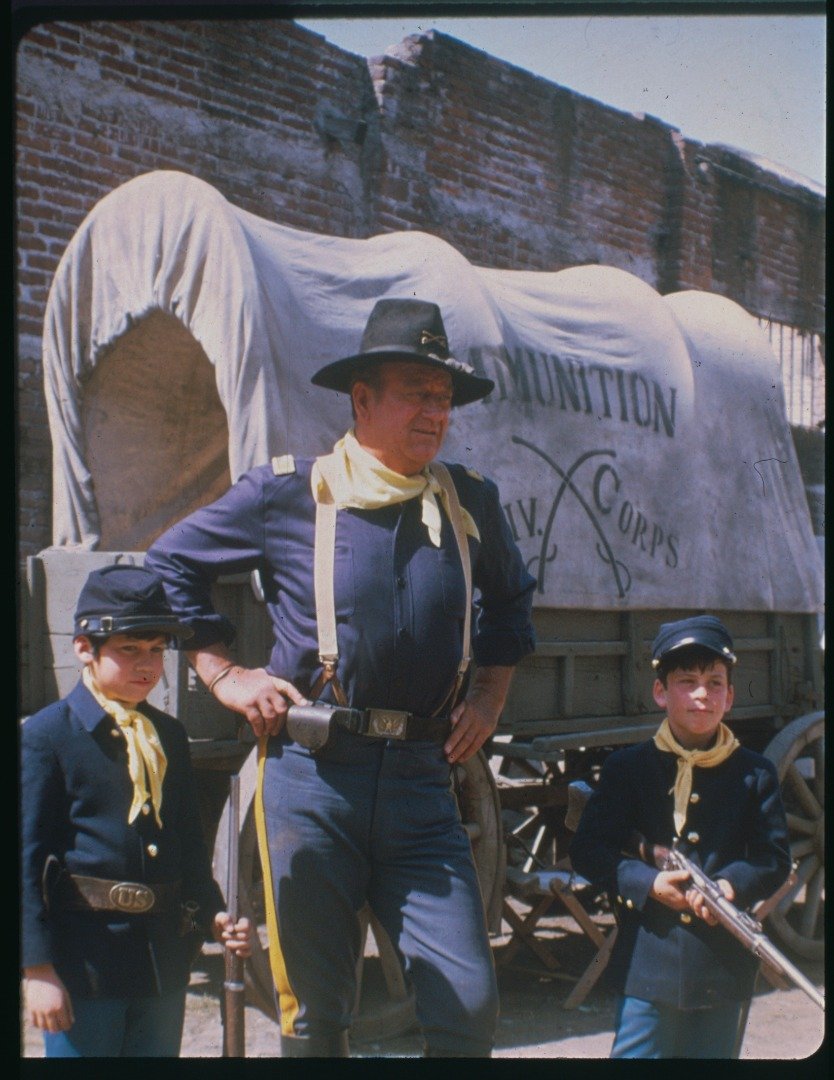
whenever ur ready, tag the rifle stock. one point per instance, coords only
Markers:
(234, 989)
(741, 925)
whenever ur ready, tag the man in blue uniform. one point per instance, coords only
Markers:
(368, 558)
(683, 979)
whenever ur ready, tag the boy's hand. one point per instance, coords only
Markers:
(699, 905)
(48, 1003)
(237, 937)
(668, 889)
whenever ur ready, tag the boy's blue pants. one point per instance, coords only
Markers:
(647, 1030)
(121, 1027)
(376, 821)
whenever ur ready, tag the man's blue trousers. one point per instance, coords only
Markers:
(376, 821)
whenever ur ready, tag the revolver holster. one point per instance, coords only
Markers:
(313, 725)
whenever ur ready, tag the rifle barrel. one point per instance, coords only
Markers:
(767, 952)
(744, 927)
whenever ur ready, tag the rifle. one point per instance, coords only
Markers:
(234, 989)
(739, 923)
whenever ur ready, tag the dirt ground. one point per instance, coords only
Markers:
(782, 1025)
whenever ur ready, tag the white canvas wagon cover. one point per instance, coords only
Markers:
(640, 442)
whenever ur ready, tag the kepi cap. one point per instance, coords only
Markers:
(704, 630)
(412, 331)
(119, 598)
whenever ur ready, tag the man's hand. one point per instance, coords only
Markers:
(668, 889)
(475, 719)
(262, 698)
(699, 905)
(237, 937)
(48, 1003)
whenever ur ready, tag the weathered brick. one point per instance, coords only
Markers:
(512, 170)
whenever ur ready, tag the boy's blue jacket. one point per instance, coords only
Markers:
(735, 829)
(75, 797)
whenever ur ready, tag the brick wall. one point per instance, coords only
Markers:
(283, 124)
(512, 170)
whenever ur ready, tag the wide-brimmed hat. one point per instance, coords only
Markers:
(410, 330)
(704, 630)
(119, 598)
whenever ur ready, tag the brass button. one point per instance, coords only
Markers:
(152, 850)
(693, 837)
(694, 797)
(686, 917)
(115, 732)
(619, 900)
(629, 903)
(146, 809)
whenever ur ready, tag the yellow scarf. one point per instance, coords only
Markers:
(725, 744)
(355, 478)
(145, 756)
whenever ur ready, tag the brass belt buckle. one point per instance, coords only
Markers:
(130, 897)
(387, 723)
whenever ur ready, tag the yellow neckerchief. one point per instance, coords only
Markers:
(725, 744)
(355, 478)
(145, 756)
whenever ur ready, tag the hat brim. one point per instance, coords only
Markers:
(722, 652)
(466, 387)
(130, 624)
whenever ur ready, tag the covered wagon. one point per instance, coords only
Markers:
(639, 442)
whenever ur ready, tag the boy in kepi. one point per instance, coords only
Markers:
(117, 891)
(683, 979)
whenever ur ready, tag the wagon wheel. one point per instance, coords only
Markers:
(385, 1003)
(798, 752)
(480, 811)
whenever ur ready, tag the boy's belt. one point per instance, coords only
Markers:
(79, 893)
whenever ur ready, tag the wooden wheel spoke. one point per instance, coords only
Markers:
(800, 787)
(806, 869)
(798, 752)
(801, 825)
(786, 903)
(818, 752)
(813, 897)
(804, 872)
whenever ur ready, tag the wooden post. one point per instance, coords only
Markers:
(234, 989)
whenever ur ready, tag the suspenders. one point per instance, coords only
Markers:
(324, 557)
(323, 560)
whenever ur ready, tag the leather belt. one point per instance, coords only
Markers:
(395, 724)
(79, 893)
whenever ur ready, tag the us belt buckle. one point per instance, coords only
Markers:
(130, 897)
(387, 723)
